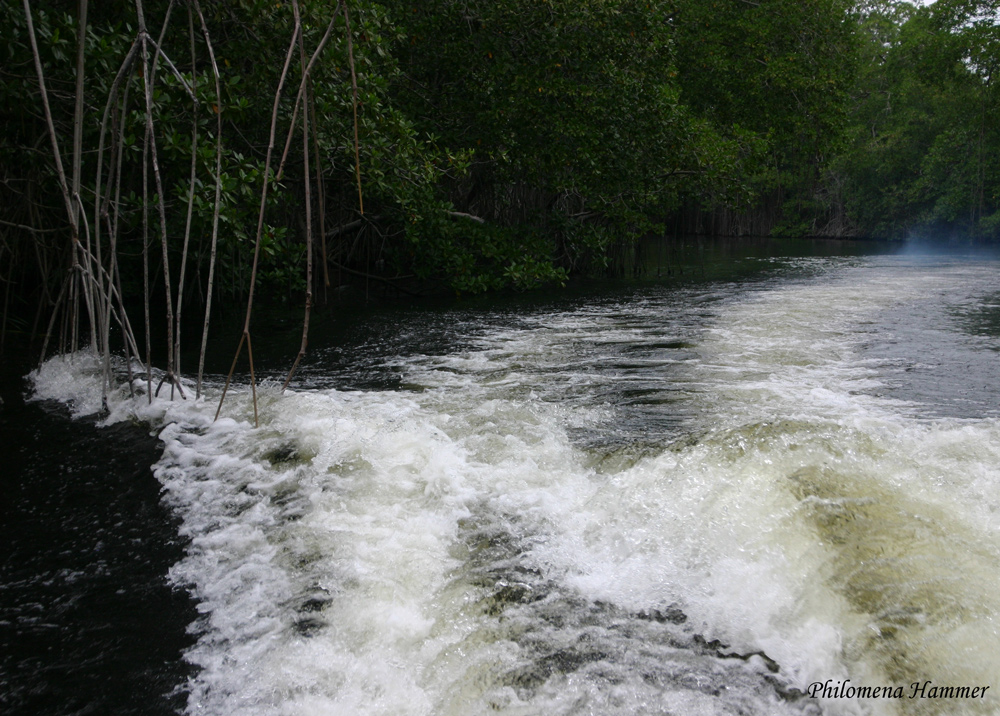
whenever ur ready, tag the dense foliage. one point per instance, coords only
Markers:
(496, 142)
(924, 150)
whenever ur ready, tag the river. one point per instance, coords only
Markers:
(675, 496)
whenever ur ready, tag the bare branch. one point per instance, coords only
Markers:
(354, 88)
(463, 215)
(218, 194)
(260, 230)
(56, 154)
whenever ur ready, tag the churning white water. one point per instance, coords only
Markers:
(688, 501)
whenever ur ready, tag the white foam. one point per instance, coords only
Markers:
(353, 553)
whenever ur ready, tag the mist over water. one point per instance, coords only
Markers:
(687, 500)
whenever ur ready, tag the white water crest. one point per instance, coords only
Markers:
(687, 501)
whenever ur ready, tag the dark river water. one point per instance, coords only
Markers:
(88, 621)
(754, 480)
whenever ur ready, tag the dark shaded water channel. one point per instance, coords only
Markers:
(88, 622)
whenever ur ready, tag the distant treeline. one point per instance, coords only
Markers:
(473, 144)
